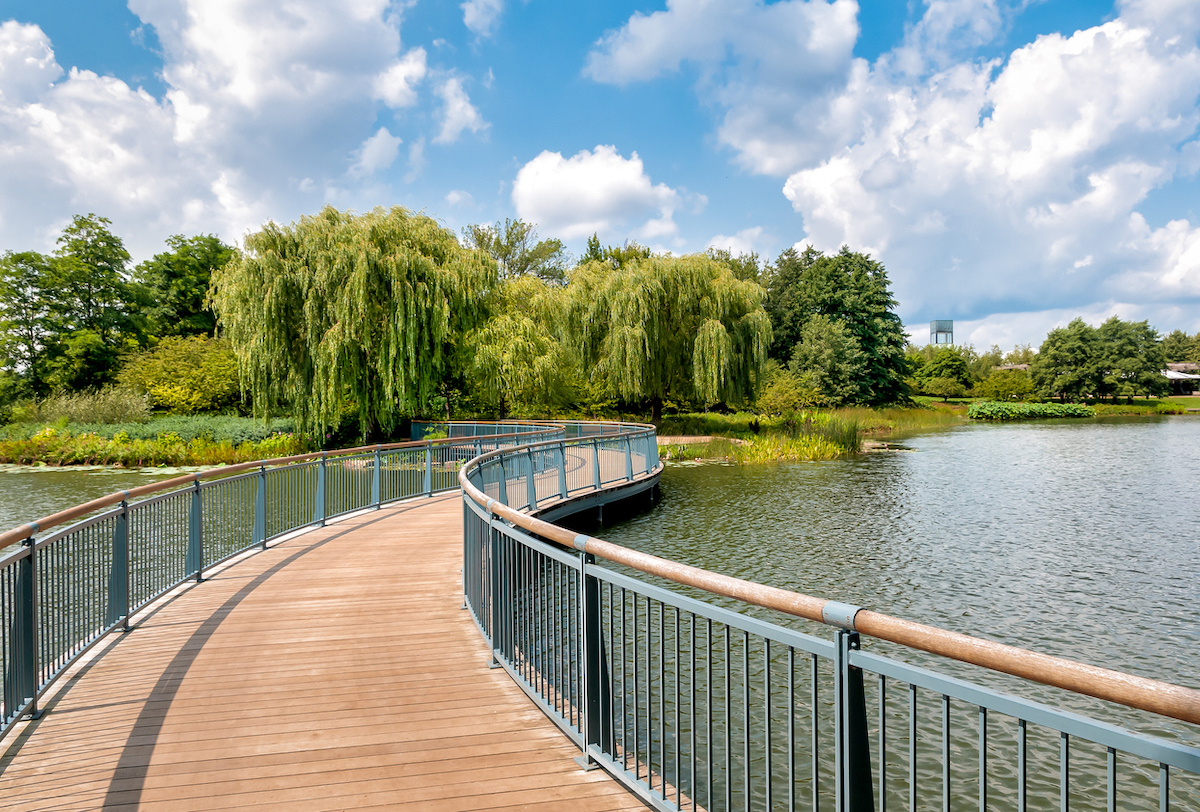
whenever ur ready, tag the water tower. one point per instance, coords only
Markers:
(941, 331)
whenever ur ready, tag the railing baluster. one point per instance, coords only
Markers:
(982, 759)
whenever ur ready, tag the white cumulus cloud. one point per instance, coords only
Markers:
(481, 15)
(396, 86)
(377, 152)
(457, 114)
(266, 104)
(780, 71)
(1011, 187)
(1008, 185)
(594, 191)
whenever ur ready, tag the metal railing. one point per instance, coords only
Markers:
(695, 706)
(82, 573)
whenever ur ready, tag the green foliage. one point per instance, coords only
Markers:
(340, 308)
(1067, 363)
(26, 328)
(177, 283)
(785, 391)
(991, 410)
(518, 361)
(105, 406)
(618, 256)
(51, 446)
(84, 360)
(747, 267)
(849, 287)
(1021, 354)
(1006, 385)
(215, 428)
(944, 388)
(1131, 359)
(827, 357)
(947, 374)
(679, 328)
(517, 251)
(185, 375)
(1180, 349)
(88, 280)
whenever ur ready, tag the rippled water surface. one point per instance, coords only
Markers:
(28, 493)
(1076, 539)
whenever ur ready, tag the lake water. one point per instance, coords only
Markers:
(1078, 539)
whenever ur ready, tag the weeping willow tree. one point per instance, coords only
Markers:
(662, 327)
(518, 358)
(343, 312)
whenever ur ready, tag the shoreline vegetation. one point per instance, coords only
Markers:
(740, 438)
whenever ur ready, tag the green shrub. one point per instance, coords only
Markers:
(185, 375)
(993, 410)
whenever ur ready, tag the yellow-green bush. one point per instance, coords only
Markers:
(186, 375)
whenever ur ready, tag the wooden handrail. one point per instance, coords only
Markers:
(1163, 698)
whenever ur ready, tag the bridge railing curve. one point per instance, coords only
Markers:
(694, 703)
(82, 573)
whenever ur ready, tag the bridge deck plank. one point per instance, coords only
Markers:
(336, 670)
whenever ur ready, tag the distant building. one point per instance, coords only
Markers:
(1183, 377)
(1013, 367)
(941, 331)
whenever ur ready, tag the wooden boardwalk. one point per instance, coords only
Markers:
(336, 670)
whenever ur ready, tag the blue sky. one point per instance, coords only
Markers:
(1013, 163)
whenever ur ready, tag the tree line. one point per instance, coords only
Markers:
(377, 317)
(1118, 359)
(365, 320)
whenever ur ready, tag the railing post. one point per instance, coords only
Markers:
(596, 462)
(562, 470)
(852, 754)
(596, 707)
(260, 507)
(319, 496)
(628, 459)
(376, 478)
(503, 481)
(21, 678)
(195, 549)
(118, 571)
(530, 480)
(429, 469)
(495, 575)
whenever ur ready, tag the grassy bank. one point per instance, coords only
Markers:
(747, 438)
(51, 446)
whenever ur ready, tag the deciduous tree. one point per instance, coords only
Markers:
(853, 288)
(517, 250)
(669, 327)
(342, 307)
(177, 284)
(1067, 365)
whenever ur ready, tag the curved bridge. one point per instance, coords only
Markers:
(333, 668)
